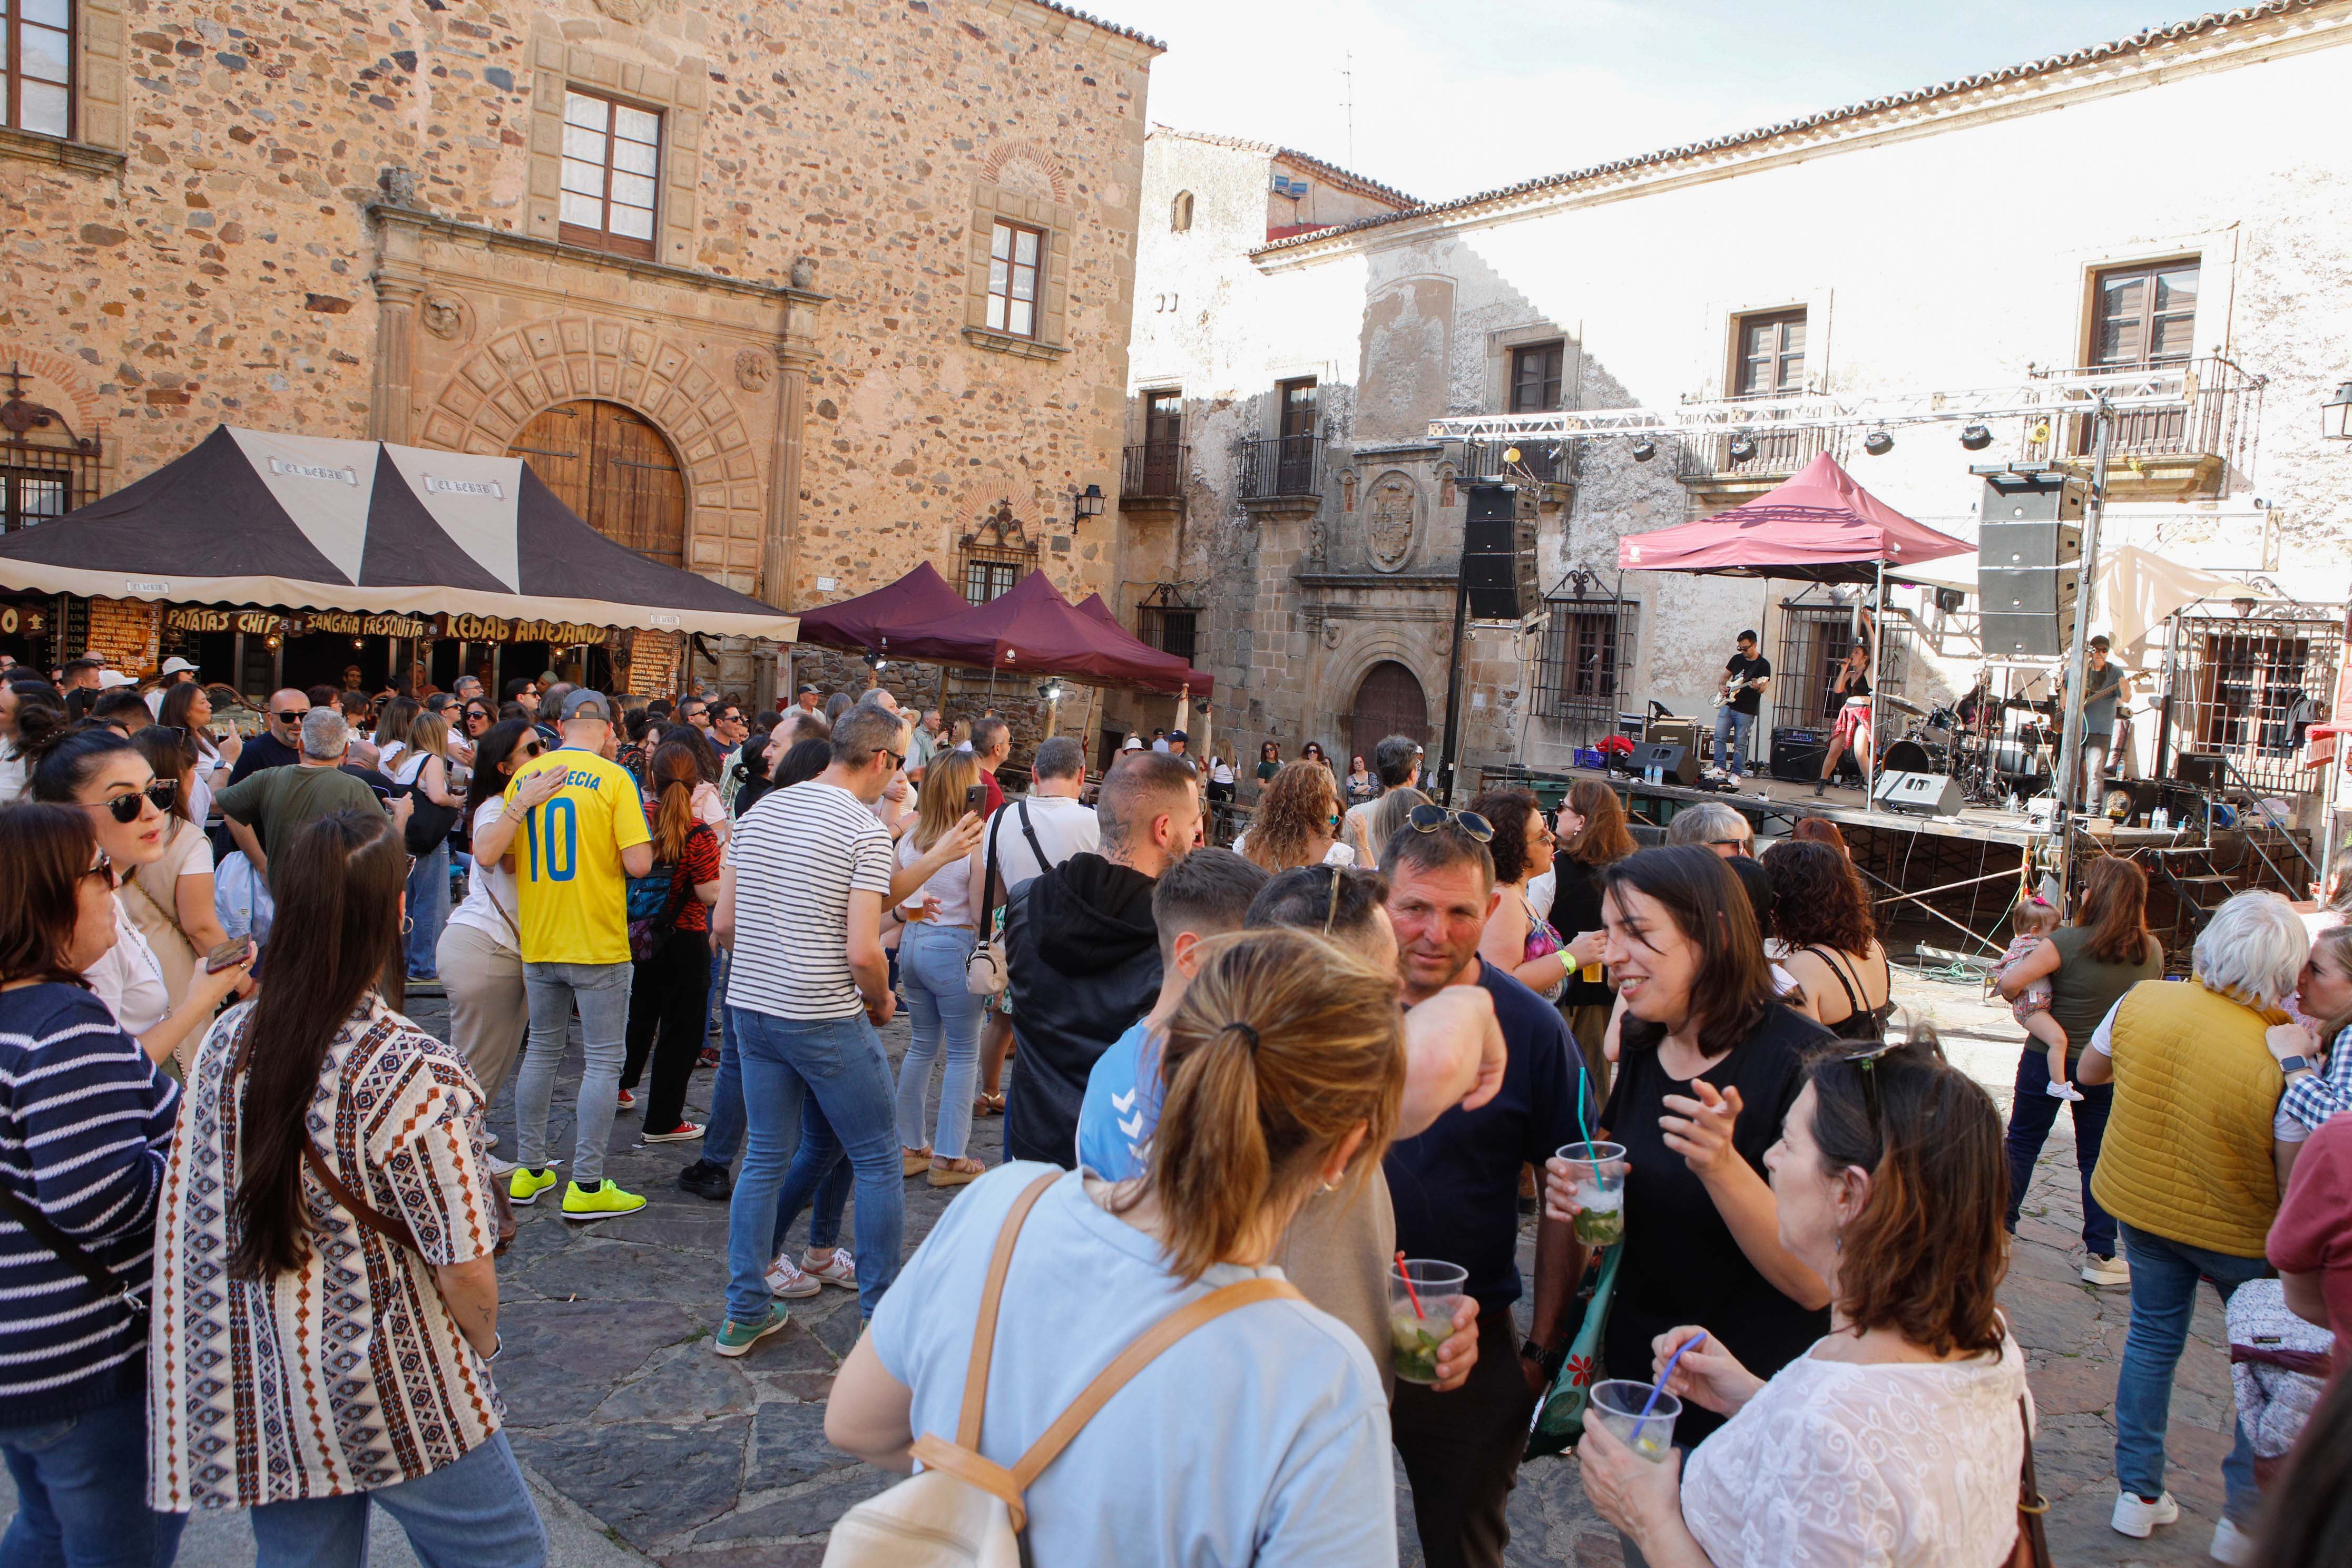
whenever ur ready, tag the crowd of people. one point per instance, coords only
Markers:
(1245, 1092)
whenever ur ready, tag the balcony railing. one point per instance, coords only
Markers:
(1275, 466)
(2218, 414)
(1543, 462)
(1154, 471)
(1779, 451)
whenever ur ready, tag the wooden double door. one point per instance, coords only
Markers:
(611, 466)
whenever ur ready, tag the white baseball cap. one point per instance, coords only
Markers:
(175, 665)
(107, 679)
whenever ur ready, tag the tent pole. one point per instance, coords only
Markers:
(1878, 683)
(2070, 731)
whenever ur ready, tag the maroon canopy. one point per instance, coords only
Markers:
(1035, 629)
(1092, 605)
(1820, 527)
(919, 599)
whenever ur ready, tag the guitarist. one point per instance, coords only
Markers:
(1745, 676)
(2104, 684)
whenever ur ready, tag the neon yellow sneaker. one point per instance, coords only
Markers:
(603, 1201)
(526, 1185)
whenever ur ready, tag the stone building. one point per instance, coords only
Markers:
(2174, 197)
(790, 294)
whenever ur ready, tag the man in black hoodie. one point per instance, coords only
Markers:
(1082, 952)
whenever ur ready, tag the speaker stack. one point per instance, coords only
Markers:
(1797, 755)
(2028, 548)
(1499, 550)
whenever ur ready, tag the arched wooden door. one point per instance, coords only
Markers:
(1389, 702)
(614, 469)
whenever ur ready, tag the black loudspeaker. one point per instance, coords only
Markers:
(1673, 732)
(2197, 770)
(1676, 764)
(2027, 548)
(1498, 555)
(1797, 754)
(1917, 794)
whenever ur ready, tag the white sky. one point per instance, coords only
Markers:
(1457, 96)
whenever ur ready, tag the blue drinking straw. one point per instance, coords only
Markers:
(1660, 1386)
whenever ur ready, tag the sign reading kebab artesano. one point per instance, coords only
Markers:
(345, 623)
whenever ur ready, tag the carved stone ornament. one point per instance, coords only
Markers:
(444, 316)
(754, 368)
(803, 272)
(628, 10)
(1331, 634)
(1314, 542)
(1391, 534)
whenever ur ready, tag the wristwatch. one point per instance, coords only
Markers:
(1550, 1361)
(2294, 1064)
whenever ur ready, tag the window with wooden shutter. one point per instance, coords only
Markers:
(1535, 377)
(37, 51)
(1771, 354)
(2144, 315)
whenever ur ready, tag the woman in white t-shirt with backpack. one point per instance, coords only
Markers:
(479, 955)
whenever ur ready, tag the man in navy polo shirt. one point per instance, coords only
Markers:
(1456, 1191)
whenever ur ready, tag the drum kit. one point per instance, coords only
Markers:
(2002, 748)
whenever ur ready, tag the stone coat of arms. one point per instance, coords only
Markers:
(1394, 505)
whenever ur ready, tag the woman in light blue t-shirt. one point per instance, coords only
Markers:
(1262, 1434)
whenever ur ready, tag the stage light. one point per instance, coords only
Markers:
(876, 662)
(2335, 415)
(1644, 449)
(1051, 691)
(1878, 443)
(1743, 447)
(1976, 439)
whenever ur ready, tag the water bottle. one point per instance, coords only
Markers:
(2014, 803)
(2163, 823)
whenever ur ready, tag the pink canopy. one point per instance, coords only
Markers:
(919, 599)
(1032, 628)
(1820, 527)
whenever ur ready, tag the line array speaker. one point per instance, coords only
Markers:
(1499, 550)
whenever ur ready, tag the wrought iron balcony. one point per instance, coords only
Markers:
(2162, 452)
(1154, 471)
(1277, 466)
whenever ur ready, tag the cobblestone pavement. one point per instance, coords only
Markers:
(615, 1401)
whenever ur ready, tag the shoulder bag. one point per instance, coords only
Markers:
(2033, 1549)
(1560, 1418)
(648, 931)
(984, 973)
(965, 1510)
(428, 821)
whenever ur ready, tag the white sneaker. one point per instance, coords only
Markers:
(785, 1280)
(840, 1269)
(2232, 1545)
(2062, 1091)
(2137, 1517)
(2098, 1271)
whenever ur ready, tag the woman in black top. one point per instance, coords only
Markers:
(1852, 725)
(1592, 836)
(1822, 911)
(1709, 1064)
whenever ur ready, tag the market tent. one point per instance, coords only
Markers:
(1092, 605)
(916, 601)
(313, 522)
(1032, 628)
(1819, 527)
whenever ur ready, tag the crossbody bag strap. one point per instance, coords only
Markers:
(1137, 1356)
(988, 878)
(391, 1229)
(1031, 834)
(983, 1333)
(72, 1254)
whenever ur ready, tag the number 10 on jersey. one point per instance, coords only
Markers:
(554, 833)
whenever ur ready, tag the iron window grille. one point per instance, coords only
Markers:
(1588, 641)
(1168, 624)
(46, 471)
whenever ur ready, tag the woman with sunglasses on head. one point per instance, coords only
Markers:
(1519, 940)
(326, 1299)
(170, 898)
(480, 953)
(87, 1121)
(1898, 1437)
(129, 809)
(188, 707)
(1297, 822)
(1709, 1061)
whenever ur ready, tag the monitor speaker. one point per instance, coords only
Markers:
(2028, 547)
(1498, 555)
(1797, 755)
(1676, 764)
(1917, 794)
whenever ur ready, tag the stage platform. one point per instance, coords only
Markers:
(1778, 804)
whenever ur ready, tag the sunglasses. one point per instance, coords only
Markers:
(291, 715)
(124, 808)
(1865, 1062)
(897, 759)
(1726, 844)
(1429, 819)
(104, 870)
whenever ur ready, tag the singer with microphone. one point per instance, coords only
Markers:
(1854, 718)
(1745, 675)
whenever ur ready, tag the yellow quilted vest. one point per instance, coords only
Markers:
(2188, 1149)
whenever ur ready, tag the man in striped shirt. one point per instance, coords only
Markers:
(808, 873)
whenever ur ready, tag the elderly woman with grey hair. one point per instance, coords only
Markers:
(2190, 1171)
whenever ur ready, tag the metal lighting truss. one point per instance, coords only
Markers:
(2071, 392)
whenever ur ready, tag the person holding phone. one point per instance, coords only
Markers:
(932, 952)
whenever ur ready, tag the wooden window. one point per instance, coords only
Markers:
(1535, 377)
(1772, 349)
(986, 580)
(36, 39)
(1016, 255)
(2144, 315)
(1180, 213)
(1296, 399)
(611, 163)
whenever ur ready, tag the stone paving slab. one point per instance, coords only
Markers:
(650, 1448)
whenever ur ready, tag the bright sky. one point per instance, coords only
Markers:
(1457, 96)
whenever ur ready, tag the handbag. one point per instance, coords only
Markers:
(429, 823)
(1559, 1415)
(985, 973)
(965, 1510)
(2033, 1549)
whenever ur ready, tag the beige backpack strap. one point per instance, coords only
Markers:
(1134, 1359)
(983, 1333)
(973, 1470)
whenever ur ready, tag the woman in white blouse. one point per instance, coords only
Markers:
(944, 1013)
(170, 898)
(1899, 1439)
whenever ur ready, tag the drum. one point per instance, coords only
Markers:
(1909, 756)
(1943, 725)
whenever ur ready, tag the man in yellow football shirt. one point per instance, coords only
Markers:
(581, 842)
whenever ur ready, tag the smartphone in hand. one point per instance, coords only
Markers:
(227, 956)
(975, 799)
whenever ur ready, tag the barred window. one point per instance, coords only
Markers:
(1579, 668)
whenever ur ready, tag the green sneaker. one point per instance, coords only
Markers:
(602, 1200)
(737, 1339)
(526, 1185)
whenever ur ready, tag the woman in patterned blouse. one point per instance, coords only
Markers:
(326, 1301)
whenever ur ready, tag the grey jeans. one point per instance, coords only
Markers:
(601, 991)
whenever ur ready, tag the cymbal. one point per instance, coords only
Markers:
(1909, 706)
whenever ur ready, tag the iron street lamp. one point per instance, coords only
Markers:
(1089, 503)
(2335, 415)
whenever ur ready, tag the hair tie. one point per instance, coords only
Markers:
(1247, 1033)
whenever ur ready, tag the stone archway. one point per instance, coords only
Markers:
(1388, 700)
(609, 464)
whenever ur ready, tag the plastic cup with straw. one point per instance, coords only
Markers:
(1422, 1293)
(1640, 1415)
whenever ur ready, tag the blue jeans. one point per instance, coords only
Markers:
(839, 1061)
(2164, 1276)
(602, 992)
(476, 1512)
(2031, 1113)
(1730, 721)
(723, 1139)
(427, 910)
(82, 1493)
(944, 1013)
